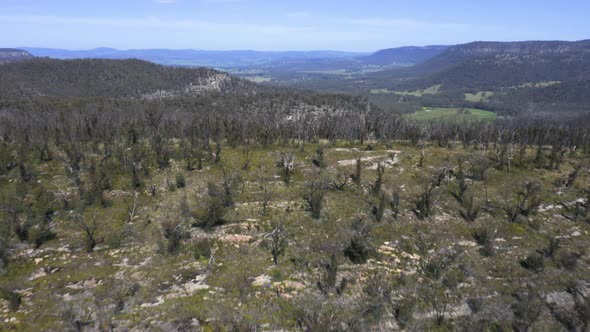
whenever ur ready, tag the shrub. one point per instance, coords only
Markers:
(4, 252)
(470, 209)
(487, 250)
(40, 234)
(214, 213)
(314, 196)
(404, 312)
(357, 250)
(378, 290)
(394, 204)
(526, 308)
(425, 203)
(356, 177)
(201, 248)
(359, 247)
(462, 190)
(318, 160)
(551, 250)
(525, 203)
(482, 236)
(13, 299)
(453, 278)
(379, 181)
(214, 207)
(568, 260)
(287, 164)
(534, 262)
(180, 180)
(379, 207)
(328, 277)
(173, 232)
(230, 183)
(475, 304)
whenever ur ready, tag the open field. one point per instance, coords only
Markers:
(459, 114)
(478, 97)
(418, 93)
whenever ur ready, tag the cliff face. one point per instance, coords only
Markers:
(531, 52)
(13, 54)
(528, 48)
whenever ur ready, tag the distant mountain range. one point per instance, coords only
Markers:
(200, 58)
(234, 59)
(503, 76)
(514, 76)
(504, 63)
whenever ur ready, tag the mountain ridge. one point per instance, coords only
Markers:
(404, 55)
(113, 78)
(517, 62)
(13, 54)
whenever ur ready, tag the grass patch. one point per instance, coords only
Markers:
(479, 96)
(452, 113)
(417, 93)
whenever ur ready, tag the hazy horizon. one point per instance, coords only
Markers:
(283, 26)
(267, 51)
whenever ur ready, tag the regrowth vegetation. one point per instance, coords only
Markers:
(275, 210)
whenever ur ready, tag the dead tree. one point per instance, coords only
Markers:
(424, 205)
(356, 177)
(314, 195)
(265, 190)
(90, 228)
(287, 164)
(379, 181)
(525, 203)
(278, 242)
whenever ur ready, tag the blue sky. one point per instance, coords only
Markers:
(285, 25)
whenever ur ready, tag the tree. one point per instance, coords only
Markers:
(424, 204)
(287, 164)
(470, 209)
(90, 228)
(278, 242)
(316, 188)
(525, 202)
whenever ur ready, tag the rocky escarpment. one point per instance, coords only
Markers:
(12, 54)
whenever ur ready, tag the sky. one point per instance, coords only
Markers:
(279, 25)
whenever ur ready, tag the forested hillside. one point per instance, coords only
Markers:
(112, 78)
(497, 76)
(11, 54)
(403, 55)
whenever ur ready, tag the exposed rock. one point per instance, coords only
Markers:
(562, 300)
(235, 238)
(86, 284)
(262, 281)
